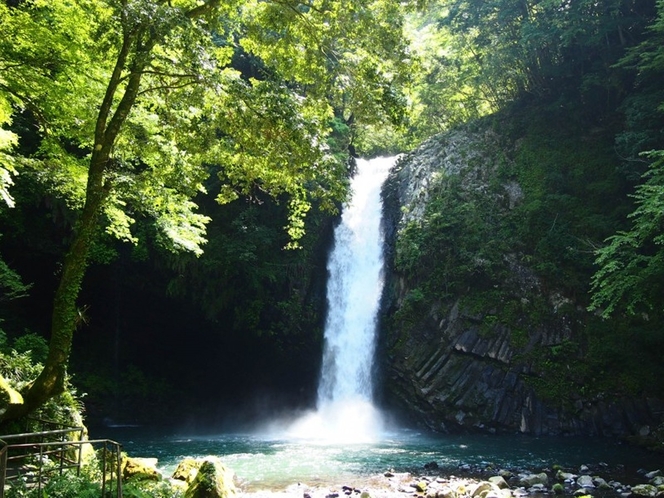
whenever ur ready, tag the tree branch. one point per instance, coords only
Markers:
(14, 396)
(111, 89)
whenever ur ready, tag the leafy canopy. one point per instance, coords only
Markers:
(127, 105)
(194, 107)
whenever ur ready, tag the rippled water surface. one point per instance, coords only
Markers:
(262, 461)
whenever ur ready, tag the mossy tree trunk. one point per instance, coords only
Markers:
(140, 35)
(51, 380)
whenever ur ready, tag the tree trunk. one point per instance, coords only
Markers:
(51, 380)
(132, 59)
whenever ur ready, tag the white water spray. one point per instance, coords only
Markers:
(345, 411)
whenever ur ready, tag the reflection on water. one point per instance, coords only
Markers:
(262, 461)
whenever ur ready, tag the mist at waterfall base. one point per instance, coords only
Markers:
(346, 438)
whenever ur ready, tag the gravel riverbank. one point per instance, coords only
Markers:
(585, 481)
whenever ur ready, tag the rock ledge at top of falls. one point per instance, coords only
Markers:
(451, 368)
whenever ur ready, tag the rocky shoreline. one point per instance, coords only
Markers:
(585, 482)
(484, 480)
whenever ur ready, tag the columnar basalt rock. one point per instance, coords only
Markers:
(458, 363)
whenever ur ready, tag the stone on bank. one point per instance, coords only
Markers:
(140, 468)
(193, 478)
(213, 480)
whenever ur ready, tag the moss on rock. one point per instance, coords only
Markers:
(213, 480)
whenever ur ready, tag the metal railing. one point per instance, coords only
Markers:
(36, 457)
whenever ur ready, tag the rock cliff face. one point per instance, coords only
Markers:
(491, 354)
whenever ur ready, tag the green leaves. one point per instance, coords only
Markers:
(631, 266)
(7, 164)
(11, 285)
(191, 108)
(478, 57)
(184, 228)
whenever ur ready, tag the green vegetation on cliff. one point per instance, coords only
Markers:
(540, 211)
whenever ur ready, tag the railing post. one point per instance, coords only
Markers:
(3, 467)
(41, 466)
(62, 456)
(80, 452)
(118, 452)
(103, 467)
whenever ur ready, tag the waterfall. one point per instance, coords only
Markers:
(345, 410)
(355, 285)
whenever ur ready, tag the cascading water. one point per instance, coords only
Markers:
(355, 285)
(345, 410)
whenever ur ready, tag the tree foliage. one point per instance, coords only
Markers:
(131, 101)
(631, 265)
(544, 48)
(476, 58)
(582, 63)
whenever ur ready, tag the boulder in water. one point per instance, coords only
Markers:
(499, 481)
(601, 483)
(654, 473)
(657, 481)
(446, 492)
(213, 480)
(585, 482)
(482, 489)
(558, 488)
(420, 486)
